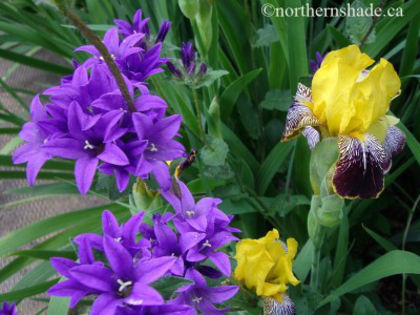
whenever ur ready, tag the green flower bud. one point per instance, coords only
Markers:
(189, 8)
(330, 211)
(145, 198)
(314, 227)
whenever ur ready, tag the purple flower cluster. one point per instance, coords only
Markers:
(8, 309)
(138, 254)
(188, 64)
(87, 119)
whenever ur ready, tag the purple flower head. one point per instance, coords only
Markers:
(126, 234)
(202, 296)
(168, 243)
(204, 218)
(161, 146)
(315, 64)
(119, 51)
(139, 25)
(8, 309)
(33, 152)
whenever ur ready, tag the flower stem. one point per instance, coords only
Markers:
(97, 42)
(316, 259)
(198, 113)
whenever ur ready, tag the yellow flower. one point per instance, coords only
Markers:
(349, 102)
(265, 264)
(348, 99)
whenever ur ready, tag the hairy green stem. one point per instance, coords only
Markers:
(99, 45)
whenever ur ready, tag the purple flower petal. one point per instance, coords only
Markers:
(84, 171)
(142, 294)
(93, 276)
(112, 154)
(151, 270)
(105, 304)
(118, 257)
(110, 224)
(221, 261)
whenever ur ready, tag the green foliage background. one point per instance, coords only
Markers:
(263, 182)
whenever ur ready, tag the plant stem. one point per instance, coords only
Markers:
(404, 240)
(99, 45)
(198, 113)
(316, 259)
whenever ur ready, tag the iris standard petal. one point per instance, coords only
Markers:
(359, 170)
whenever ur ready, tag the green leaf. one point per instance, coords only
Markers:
(277, 100)
(58, 306)
(358, 26)
(231, 93)
(272, 164)
(38, 229)
(389, 27)
(387, 245)
(266, 36)
(210, 77)
(303, 261)
(411, 141)
(34, 62)
(45, 189)
(18, 295)
(364, 306)
(44, 254)
(168, 285)
(214, 153)
(249, 117)
(392, 263)
(298, 61)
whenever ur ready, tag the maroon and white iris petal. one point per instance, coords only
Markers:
(312, 136)
(359, 170)
(299, 115)
(393, 144)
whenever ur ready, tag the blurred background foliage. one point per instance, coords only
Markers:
(263, 182)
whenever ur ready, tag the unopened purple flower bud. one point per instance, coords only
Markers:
(174, 69)
(203, 68)
(188, 56)
(163, 31)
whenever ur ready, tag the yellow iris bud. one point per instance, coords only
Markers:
(265, 264)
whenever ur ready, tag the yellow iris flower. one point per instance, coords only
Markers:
(265, 264)
(350, 100)
(350, 103)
